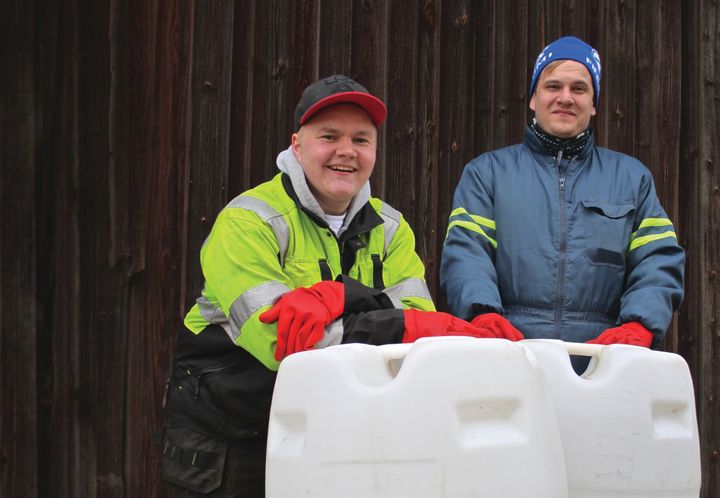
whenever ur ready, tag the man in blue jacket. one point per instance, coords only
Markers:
(556, 237)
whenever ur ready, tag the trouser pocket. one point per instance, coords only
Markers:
(223, 392)
(192, 460)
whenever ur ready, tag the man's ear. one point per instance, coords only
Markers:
(593, 112)
(532, 103)
(295, 144)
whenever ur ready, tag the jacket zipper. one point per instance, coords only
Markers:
(563, 247)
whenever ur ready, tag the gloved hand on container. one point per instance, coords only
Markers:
(628, 333)
(302, 315)
(436, 323)
(499, 326)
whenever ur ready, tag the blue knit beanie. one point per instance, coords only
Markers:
(569, 47)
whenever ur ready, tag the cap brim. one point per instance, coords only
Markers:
(372, 105)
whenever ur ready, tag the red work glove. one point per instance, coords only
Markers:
(303, 314)
(436, 323)
(499, 325)
(627, 333)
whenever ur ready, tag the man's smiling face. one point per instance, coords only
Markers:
(563, 100)
(336, 150)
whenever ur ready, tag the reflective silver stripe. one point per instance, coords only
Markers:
(411, 287)
(333, 335)
(391, 216)
(270, 216)
(213, 314)
(252, 300)
(210, 312)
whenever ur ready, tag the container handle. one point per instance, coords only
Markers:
(583, 349)
(395, 352)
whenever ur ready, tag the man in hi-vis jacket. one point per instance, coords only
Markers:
(556, 237)
(306, 260)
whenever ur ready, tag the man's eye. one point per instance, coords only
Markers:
(328, 137)
(361, 140)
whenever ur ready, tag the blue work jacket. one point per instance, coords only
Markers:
(562, 248)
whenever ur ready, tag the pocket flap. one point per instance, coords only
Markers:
(608, 209)
(192, 460)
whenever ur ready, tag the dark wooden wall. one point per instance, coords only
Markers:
(127, 125)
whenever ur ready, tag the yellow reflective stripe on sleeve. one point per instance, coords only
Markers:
(478, 219)
(652, 222)
(655, 222)
(473, 228)
(645, 239)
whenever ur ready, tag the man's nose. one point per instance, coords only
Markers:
(345, 147)
(565, 96)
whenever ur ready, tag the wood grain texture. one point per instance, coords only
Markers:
(18, 309)
(210, 91)
(699, 209)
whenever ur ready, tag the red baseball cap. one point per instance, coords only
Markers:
(337, 89)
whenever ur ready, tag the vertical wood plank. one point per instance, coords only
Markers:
(18, 389)
(509, 78)
(142, 389)
(458, 88)
(615, 122)
(657, 135)
(540, 33)
(459, 93)
(485, 87)
(335, 37)
(369, 68)
(209, 141)
(501, 71)
(157, 291)
(427, 221)
(698, 322)
(63, 431)
(402, 130)
(119, 115)
(272, 109)
(142, 119)
(48, 91)
(241, 119)
(102, 330)
(304, 46)
(658, 66)
(574, 20)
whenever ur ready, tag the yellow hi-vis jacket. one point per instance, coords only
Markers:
(273, 238)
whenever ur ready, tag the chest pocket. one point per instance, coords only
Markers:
(606, 231)
(304, 271)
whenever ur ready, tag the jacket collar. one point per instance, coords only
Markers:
(537, 147)
(360, 216)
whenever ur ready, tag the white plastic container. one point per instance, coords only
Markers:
(628, 425)
(441, 418)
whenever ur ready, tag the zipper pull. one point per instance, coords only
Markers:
(559, 169)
